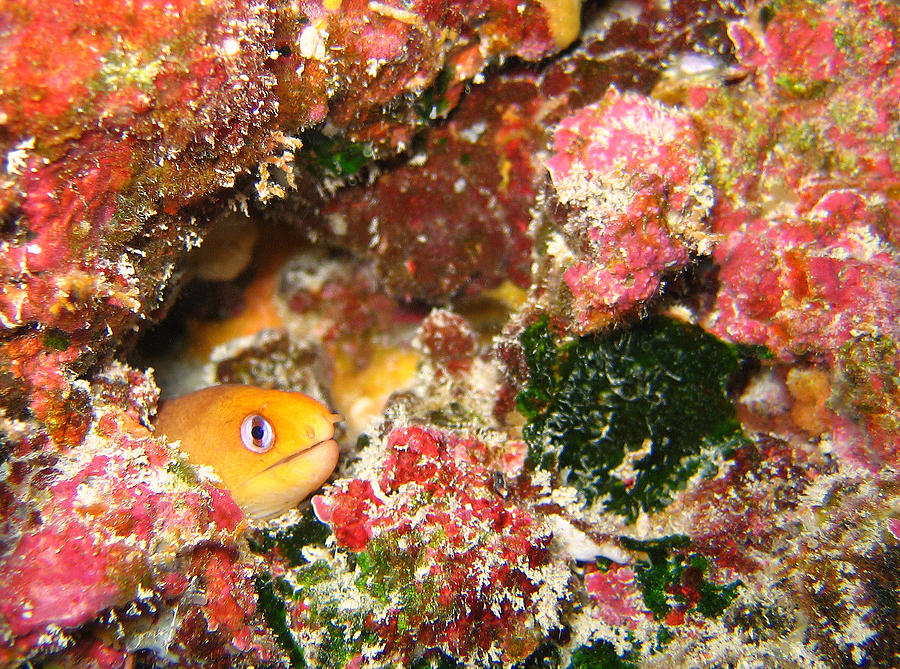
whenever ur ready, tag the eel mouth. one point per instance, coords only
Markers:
(285, 483)
(302, 451)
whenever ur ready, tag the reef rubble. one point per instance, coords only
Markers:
(607, 293)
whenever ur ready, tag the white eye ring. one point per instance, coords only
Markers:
(257, 434)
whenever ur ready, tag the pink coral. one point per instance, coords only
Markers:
(617, 597)
(805, 163)
(58, 577)
(808, 285)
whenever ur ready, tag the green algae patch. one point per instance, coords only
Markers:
(628, 416)
(183, 470)
(56, 339)
(433, 103)
(335, 156)
(290, 540)
(275, 613)
(388, 575)
(601, 655)
(801, 88)
(672, 580)
(341, 632)
(343, 637)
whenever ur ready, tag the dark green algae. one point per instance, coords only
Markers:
(334, 156)
(291, 539)
(344, 636)
(628, 416)
(669, 569)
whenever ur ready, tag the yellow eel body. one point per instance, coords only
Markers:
(270, 448)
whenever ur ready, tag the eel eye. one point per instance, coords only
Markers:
(257, 434)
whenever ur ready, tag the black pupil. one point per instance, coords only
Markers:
(257, 432)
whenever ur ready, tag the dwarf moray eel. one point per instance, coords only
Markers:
(270, 448)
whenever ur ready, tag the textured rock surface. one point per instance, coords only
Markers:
(652, 421)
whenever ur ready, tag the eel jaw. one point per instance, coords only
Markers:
(283, 484)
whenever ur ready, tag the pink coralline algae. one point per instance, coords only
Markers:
(460, 568)
(808, 259)
(629, 171)
(811, 285)
(733, 163)
(809, 256)
(616, 595)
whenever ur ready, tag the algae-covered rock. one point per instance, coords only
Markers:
(627, 417)
(672, 235)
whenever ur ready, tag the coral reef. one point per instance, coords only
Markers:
(607, 294)
(444, 560)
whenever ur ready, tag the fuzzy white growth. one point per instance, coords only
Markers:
(17, 158)
(268, 186)
(766, 394)
(231, 47)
